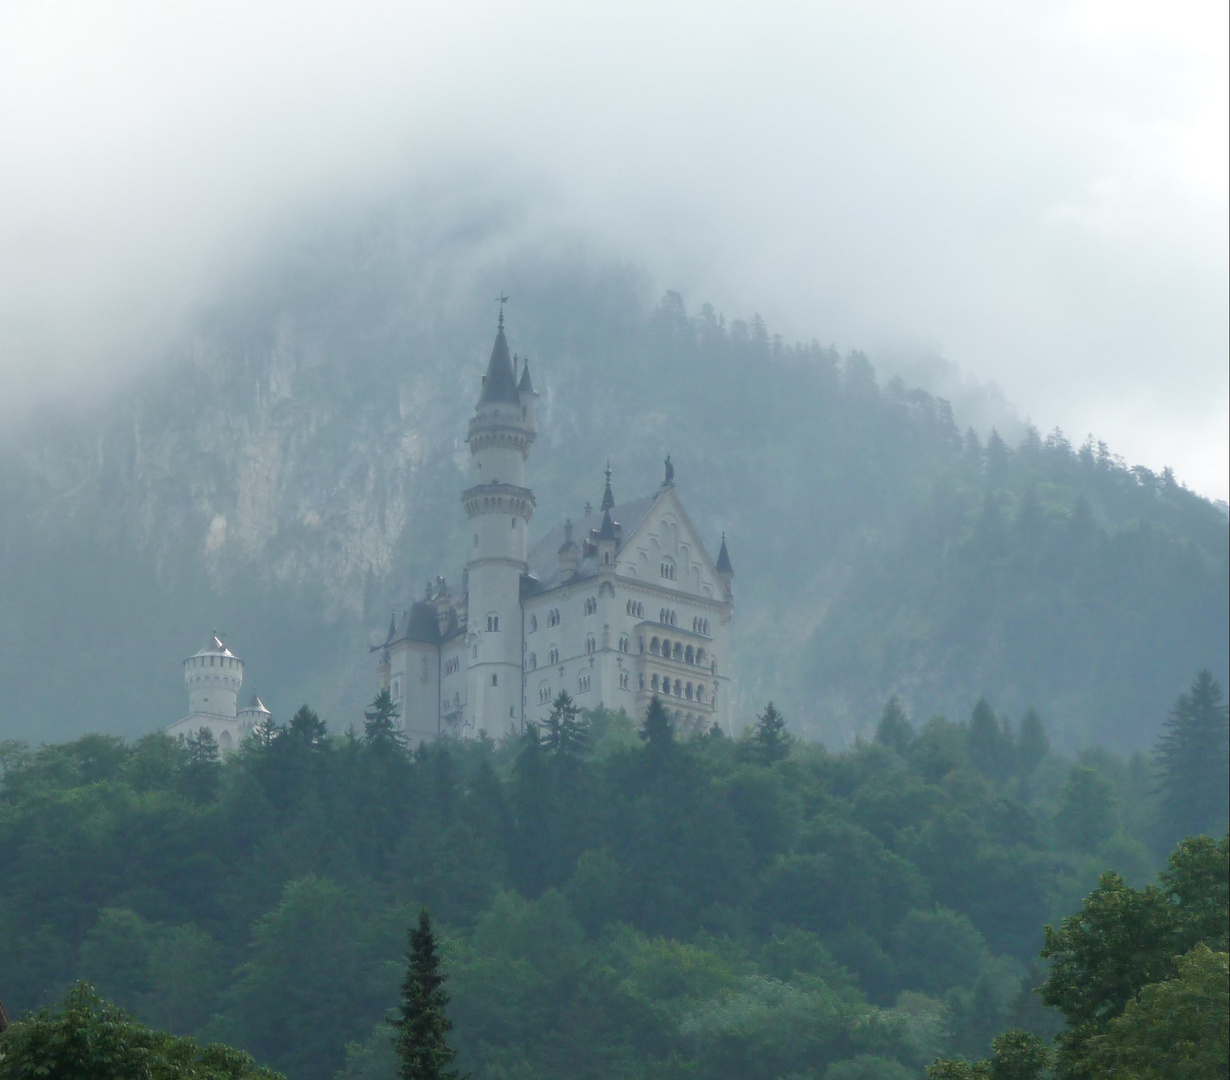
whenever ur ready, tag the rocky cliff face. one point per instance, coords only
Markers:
(291, 473)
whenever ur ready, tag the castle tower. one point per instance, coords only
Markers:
(499, 507)
(214, 675)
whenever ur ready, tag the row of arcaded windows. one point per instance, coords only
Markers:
(677, 651)
(636, 609)
(700, 626)
(690, 691)
(667, 617)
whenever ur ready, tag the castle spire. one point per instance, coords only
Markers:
(499, 384)
(608, 497)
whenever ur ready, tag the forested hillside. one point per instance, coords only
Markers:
(291, 473)
(615, 901)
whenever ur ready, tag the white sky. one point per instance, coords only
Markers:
(1038, 190)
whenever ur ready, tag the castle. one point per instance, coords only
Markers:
(214, 676)
(614, 608)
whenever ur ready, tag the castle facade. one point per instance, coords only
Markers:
(614, 608)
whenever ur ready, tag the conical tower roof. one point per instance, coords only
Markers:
(608, 497)
(499, 384)
(723, 559)
(525, 386)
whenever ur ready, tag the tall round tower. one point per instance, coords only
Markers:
(499, 507)
(214, 676)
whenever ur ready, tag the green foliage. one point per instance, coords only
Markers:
(1178, 1029)
(565, 732)
(894, 730)
(1086, 815)
(380, 722)
(608, 905)
(1193, 757)
(657, 730)
(89, 1039)
(770, 740)
(422, 1029)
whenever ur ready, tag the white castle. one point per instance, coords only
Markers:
(214, 677)
(619, 606)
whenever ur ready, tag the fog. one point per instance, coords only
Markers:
(1036, 191)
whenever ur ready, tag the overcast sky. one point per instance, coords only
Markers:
(1036, 190)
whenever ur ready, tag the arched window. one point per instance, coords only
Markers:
(493, 622)
(224, 741)
(687, 691)
(495, 679)
(700, 656)
(653, 684)
(688, 654)
(677, 652)
(553, 657)
(666, 648)
(553, 617)
(590, 644)
(533, 623)
(678, 688)
(533, 661)
(582, 684)
(591, 605)
(641, 680)
(655, 646)
(624, 645)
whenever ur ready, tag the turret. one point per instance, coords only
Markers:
(724, 570)
(214, 676)
(607, 539)
(253, 715)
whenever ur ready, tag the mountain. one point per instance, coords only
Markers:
(290, 473)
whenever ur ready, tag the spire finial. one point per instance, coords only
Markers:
(502, 299)
(608, 498)
(670, 472)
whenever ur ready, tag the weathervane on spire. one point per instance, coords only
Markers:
(670, 472)
(501, 300)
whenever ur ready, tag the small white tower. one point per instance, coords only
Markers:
(214, 676)
(499, 507)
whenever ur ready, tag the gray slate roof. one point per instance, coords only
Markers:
(499, 385)
(544, 567)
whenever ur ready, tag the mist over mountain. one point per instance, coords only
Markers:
(290, 475)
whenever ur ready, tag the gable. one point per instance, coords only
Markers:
(667, 550)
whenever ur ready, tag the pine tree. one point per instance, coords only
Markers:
(894, 730)
(565, 733)
(1193, 758)
(770, 740)
(657, 731)
(990, 742)
(1032, 744)
(306, 727)
(203, 768)
(380, 722)
(422, 1029)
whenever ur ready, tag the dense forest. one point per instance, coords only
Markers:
(291, 473)
(613, 900)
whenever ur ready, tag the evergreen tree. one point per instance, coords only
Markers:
(894, 730)
(306, 727)
(770, 740)
(1193, 757)
(656, 730)
(380, 723)
(566, 732)
(202, 768)
(990, 742)
(422, 1029)
(1032, 744)
(1086, 816)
